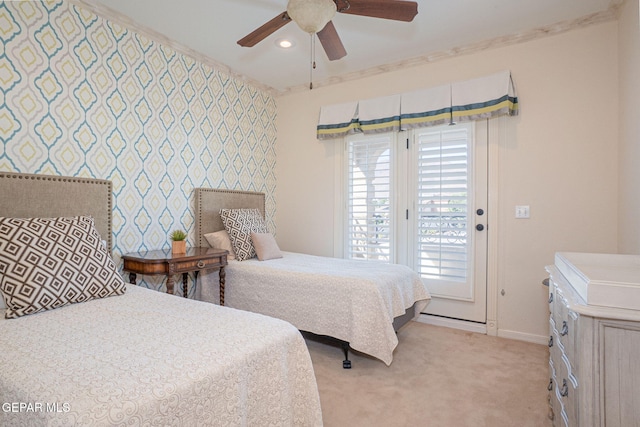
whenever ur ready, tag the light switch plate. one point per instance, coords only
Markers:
(522, 211)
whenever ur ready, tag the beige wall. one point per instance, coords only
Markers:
(562, 161)
(629, 208)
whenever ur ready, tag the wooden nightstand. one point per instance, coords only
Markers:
(164, 262)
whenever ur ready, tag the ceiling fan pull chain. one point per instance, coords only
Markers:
(313, 41)
(313, 60)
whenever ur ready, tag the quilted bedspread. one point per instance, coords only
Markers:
(147, 358)
(351, 300)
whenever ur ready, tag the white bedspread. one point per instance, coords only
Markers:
(351, 300)
(147, 358)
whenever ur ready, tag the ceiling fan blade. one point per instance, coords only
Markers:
(331, 42)
(387, 9)
(264, 31)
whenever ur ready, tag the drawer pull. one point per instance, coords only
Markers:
(564, 391)
(200, 264)
(550, 298)
(550, 386)
(565, 328)
(551, 341)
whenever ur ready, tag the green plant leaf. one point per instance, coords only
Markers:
(178, 235)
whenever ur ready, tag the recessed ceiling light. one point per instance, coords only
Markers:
(284, 43)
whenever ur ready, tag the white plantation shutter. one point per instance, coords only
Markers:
(417, 204)
(368, 233)
(442, 203)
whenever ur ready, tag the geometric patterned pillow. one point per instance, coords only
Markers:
(46, 263)
(240, 223)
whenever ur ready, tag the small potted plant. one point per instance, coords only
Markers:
(178, 242)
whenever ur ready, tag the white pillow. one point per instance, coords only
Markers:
(220, 239)
(266, 246)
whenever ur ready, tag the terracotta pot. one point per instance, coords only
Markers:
(179, 247)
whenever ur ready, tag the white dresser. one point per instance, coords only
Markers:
(594, 340)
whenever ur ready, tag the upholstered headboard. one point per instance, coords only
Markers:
(46, 196)
(209, 201)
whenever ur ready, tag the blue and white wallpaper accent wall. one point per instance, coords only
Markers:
(83, 96)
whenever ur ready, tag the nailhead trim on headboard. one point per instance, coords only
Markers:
(68, 179)
(230, 200)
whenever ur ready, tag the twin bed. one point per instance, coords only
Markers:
(141, 357)
(134, 356)
(360, 304)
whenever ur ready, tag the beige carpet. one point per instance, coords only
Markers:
(439, 377)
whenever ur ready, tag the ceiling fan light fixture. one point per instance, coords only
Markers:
(311, 15)
(284, 43)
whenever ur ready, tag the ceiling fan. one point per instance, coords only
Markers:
(314, 16)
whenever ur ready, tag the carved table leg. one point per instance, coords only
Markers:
(195, 282)
(132, 278)
(222, 276)
(185, 280)
(170, 284)
(170, 274)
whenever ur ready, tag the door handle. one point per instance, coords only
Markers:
(479, 227)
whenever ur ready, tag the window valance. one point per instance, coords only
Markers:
(480, 98)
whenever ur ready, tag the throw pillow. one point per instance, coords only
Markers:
(220, 239)
(266, 246)
(240, 223)
(48, 263)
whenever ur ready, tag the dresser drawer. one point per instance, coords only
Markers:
(560, 416)
(567, 325)
(557, 301)
(564, 390)
(568, 390)
(555, 347)
(554, 400)
(552, 296)
(201, 264)
(565, 322)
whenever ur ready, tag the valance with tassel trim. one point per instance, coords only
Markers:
(484, 98)
(427, 107)
(379, 115)
(469, 100)
(338, 120)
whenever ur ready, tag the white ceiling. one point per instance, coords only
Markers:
(212, 27)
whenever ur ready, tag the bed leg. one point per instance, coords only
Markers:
(346, 363)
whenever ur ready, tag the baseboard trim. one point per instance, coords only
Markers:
(521, 336)
(480, 328)
(452, 323)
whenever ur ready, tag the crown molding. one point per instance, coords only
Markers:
(549, 30)
(111, 15)
(561, 27)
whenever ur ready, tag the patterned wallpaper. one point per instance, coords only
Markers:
(83, 96)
